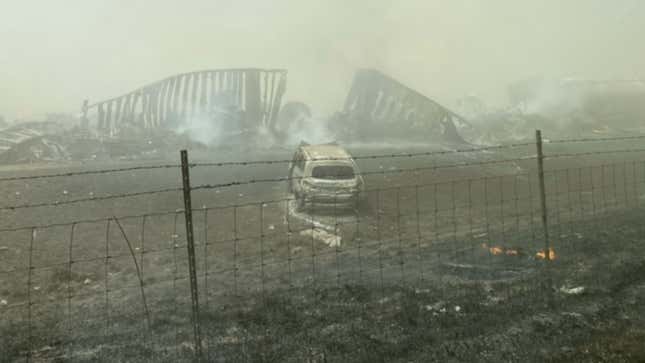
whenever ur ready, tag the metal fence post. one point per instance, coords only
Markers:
(540, 162)
(190, 243)
(545, 224)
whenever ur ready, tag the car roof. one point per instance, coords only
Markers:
(325, 151)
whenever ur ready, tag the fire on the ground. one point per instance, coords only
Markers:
(499, 251)
(542, 254)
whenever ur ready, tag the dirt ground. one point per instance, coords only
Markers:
(410, 274)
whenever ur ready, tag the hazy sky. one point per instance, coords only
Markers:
(54, 54)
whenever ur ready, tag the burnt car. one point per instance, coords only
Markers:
(325, 175)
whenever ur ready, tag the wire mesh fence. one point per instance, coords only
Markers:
(467, 241)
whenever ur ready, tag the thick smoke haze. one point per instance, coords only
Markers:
(54, 54)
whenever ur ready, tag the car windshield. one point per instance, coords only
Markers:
(333, 172)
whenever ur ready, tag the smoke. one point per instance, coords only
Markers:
(223, 128)
(200, 128)
(443, 49)
(554, 98)
(210, 128)
(312, 130)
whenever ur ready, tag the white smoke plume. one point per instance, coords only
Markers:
(312, 130)
(201, 128)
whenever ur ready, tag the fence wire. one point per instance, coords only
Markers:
(121, 283)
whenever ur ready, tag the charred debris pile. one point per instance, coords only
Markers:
(49, 141)
(570, 108)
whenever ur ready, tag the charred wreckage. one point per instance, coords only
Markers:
(235, 107)
(245, 101)
(243, 108)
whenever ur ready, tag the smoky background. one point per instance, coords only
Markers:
(54, 55)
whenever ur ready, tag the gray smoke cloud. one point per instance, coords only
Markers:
(54, 55)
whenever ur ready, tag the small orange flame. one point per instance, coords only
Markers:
(511, 253)
(497, 250)
(543, 255)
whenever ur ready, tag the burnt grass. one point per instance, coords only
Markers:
(455, 318)
(529, 322)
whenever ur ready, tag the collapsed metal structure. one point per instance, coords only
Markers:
(253, 94)
(377, 107)
(377, 103)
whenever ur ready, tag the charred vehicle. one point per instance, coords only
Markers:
(325, 176)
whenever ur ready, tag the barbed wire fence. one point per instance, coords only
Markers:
(182, 283)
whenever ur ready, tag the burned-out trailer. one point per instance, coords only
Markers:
(250, 96)
(380, 108)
